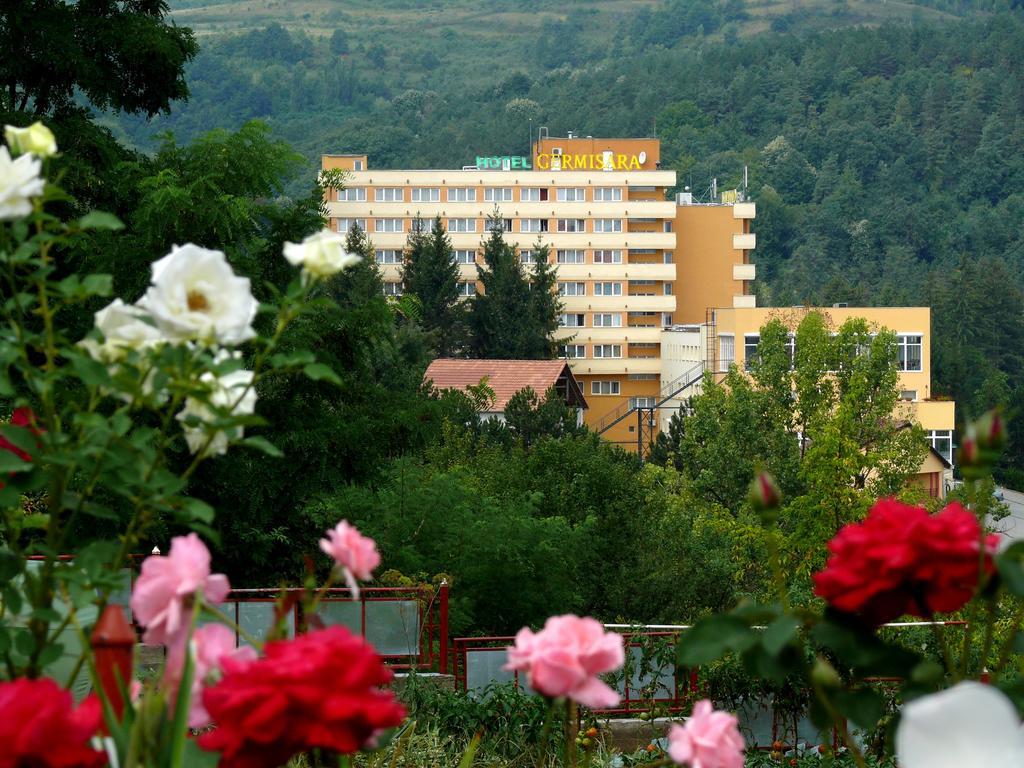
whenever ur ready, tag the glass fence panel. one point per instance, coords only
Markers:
(393, 626)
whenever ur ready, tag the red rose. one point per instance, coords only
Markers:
(318, 690)
(901, 560)
(40, 728)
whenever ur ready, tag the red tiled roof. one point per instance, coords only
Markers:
(505, 377)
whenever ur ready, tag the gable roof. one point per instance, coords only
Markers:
(506, 377)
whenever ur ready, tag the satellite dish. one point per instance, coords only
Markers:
(643, 158)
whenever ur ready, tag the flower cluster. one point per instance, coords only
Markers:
(708, 739)
(566, 657)
(40, 727)
(354, 555)
(901, 560)
(320, 690)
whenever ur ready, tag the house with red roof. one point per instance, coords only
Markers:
(506, 378)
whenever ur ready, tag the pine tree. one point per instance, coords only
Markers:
(361, 282)
(501, 328)
(431, 274)
(545, 305)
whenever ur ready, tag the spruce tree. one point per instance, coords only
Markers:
(361, 282)
(499, 318)
(431, 274)
(545, 306)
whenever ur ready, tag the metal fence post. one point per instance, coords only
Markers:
(443, 640)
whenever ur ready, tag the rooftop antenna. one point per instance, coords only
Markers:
(529, 147)
(745, 178)
(714, 189)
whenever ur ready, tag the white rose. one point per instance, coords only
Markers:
(19, 183)
(37, 139)
(124, 327)
(971, 724)
(196, 295)
(233, 392)
(320, 255)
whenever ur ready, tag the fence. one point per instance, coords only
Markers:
(651, 680)
(408, 626)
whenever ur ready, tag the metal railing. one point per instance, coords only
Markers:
(682, 382)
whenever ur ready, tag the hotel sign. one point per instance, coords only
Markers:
(600, 161)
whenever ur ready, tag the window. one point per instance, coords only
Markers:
(533, 225)
(607, 289)
(467, 289)
(607, 194)
(668, 226)
(572, 289)
(607, 257)
(464, 257)
(462, 225)
(666, 319)
(571, 321)
(572, 225)
(604, 387)
(726, 352)
(607, 350)
(572, 350)
(527, 257)
(608, 320)
(750, 342)
(607, 225)
(423, 226)
(910, 395)
(667, 288)
(426, 194)
(499, 225)
(642, 402)
(357, 165)
(942, 441)
(389, 256)
(498, 194)
(643, 377)
(392, 289)
(354, 194)
(388, 225)
(388, 195)
(908, 349)
(571, 194)
(570, 257)
(533, 194)
(462, 195)
(344, 225)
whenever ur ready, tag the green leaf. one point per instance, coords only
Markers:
(1011, 568)
(195, 757)
(863, 706)
(91, 372)
(21, 438)
(711, 638)
(319, 371)
(11, 463)
(98, 285)
(38, 521)
(100, 220)
(10, 564)
(292, 359)
(262, 444)
(778, 634)
(50, 654)
(861, 649)
(193, 510)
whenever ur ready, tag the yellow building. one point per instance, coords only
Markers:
(630, 262)
(639, 274)
(730, 335)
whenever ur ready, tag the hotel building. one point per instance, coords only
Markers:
(634, 265)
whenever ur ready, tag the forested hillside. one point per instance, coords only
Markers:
(885, 141)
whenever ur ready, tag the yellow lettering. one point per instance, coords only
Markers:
(634, 163)
(620, 163)
(543, 162)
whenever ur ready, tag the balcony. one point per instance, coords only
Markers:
(449, 177)
(515, 209)
(619, 303)
(745, 301)
(616, 272)
(744, 242)
(556, 240)
(743, 271)
(623, 335)
(620, 365)
(744, 211)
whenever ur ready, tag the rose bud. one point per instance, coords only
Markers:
(765, 496)
(824, 675)
(991, 431)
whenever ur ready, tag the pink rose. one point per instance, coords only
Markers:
(356, 555)
(162, 595)
(709, 739)
(212, 646)
(565, 658)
